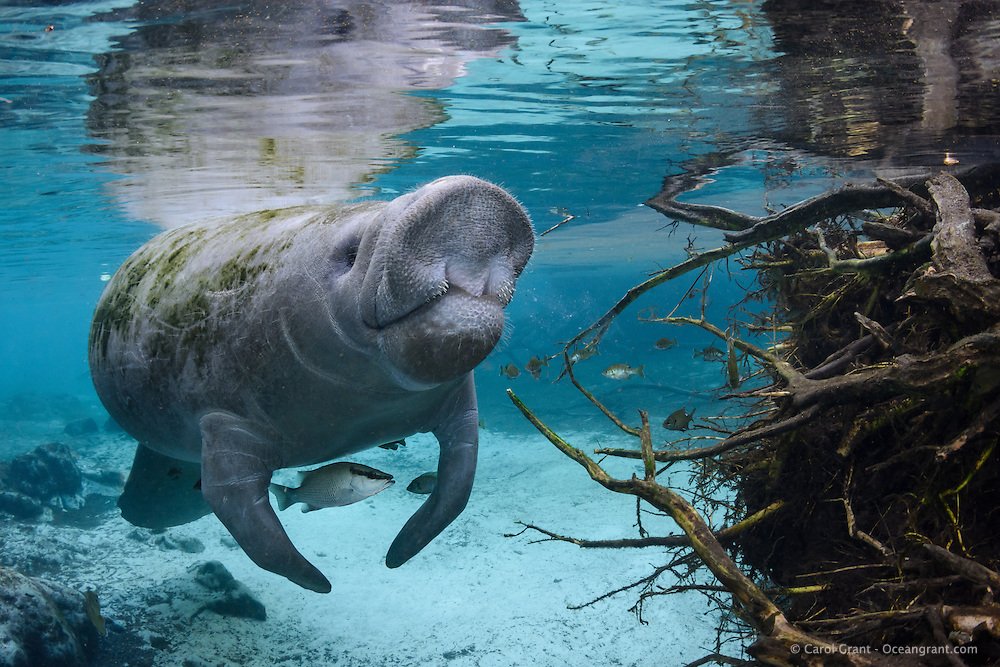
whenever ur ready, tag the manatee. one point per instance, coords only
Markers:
(289, 338)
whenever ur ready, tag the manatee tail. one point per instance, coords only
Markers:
(281, 496)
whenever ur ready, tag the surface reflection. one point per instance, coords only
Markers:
(900, 81)
(214, 110)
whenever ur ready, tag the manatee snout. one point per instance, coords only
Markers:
(443, 269)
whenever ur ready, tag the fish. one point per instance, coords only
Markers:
(424, 484)
(732, 367)
(710, 353)
(665, 343)
(678, 420)
(394, 445)
(333, 485)
(534, 366)
(509, 371)
(583, 353)
(92, 606)
(622, 372)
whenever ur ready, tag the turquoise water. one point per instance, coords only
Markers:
(125, 119)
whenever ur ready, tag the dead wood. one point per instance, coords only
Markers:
(862, 485)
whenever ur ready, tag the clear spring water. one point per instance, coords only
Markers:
(118, 119)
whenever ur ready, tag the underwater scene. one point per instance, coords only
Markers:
(704, 296)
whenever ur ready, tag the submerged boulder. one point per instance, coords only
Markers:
(229, 596)
(48, 474)
(81, 427)
(43, 623)
(45, 472)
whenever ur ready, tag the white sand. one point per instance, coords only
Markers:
(473, 597)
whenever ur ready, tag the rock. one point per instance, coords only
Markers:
(47, 472)
(86, 426)
(113, 479)
(214, 576)
(230, 597)
(20, 506)
(189, 545)
(111, 426)
(44, 623)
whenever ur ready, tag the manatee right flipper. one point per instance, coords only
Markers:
(236, 465)
(162, 491)
(458, 436)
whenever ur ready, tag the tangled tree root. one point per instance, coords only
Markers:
(866, 477)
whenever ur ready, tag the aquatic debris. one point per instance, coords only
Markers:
(665, 343)
(678, 420)
(333, 485)
(92, 607)
(510, 371)
(622, 371)
(535, 365)
(424, 484)
(710, 353)
(231, 597)
(394, 445)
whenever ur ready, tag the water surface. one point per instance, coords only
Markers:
(120, 119)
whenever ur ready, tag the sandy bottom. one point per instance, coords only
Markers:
(473, 597)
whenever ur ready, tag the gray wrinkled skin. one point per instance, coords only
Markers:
(293, 337)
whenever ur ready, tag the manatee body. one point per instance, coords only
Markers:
(293, 337)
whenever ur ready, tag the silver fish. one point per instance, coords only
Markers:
(333, 485)
(622, 372)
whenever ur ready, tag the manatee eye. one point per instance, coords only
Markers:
(351, 255)
(346, 254)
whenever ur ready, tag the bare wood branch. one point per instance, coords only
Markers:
(762, 612)
(733, 441)
(908, 196)
(979, 423)
(969, 569)
(724, 535)
(631, 430)
(559, 224)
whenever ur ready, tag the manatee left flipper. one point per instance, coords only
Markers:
(458, 436)
(236, 471)
(162, 491)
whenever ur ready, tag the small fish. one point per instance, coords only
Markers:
(622, 372)
(583, 353)
(394, 445)
(678, 420)
(424, 484)
(732, 368)
(534, 366)
(665, 343)
(509, 371)
(710, 353)
(333, 485)
(92, 606)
